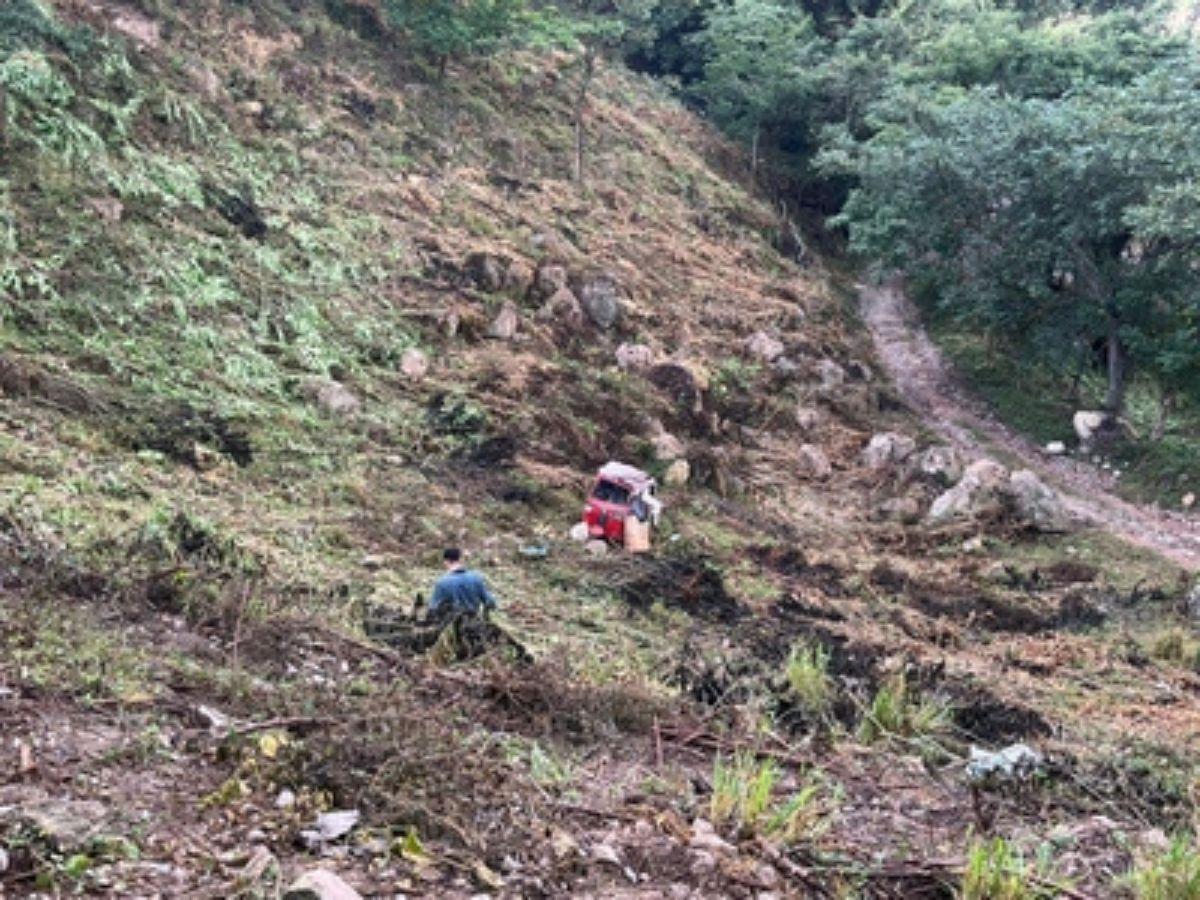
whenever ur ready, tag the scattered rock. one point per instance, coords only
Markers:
(109, 209)
(831, 374)
(667, 447)
(66, 825)
(702, 862)
(973, 544)
(1188, 500)
(683, 383)
(634, 357)
(216, 720)
(704, 837)
(563, 306)
(414, 364)
(330, 827)
(332, 398)
(606, 854)
(1055, 448)
(887, 448)
(942, 465)
(813, 462)
(486, 271)
(204, 79)
(677, 474)
(808, 418)
(600, 298)
(504, 326)
(1192, 602)
(141, 30)
(976, 492)
(285, 800)
(764, 346)
(4, 861)
(1035, 503)
(320, 884)
(906, 510)
(519, 277)
(596, 547)
(550, 279)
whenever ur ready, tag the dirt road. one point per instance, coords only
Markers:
(926, 382)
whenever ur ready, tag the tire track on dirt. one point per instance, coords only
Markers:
(927, 383)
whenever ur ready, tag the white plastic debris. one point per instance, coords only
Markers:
(1016, 762)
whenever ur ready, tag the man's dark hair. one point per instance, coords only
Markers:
(452, 555)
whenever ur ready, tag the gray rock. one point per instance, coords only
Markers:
(977, 491)
(888, 448)
(814, 463)
(704, 837)
(563, 306)
(519, 277)
(600, 298)
(550, 279)
(808, 418)
(320, 884)
(831, 374)
(1055, 448)
(942, 465)
(1014, 763)
(667, 447)
(906, 510)
(336, 400)
(486, 271)
(677, 474)
(764, 346)
(1036, 503)
(330, 826)
(634, 357)
(1088, 424)
(596, 547)
(414, 364)
(504, 326)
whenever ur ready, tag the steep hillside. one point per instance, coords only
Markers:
(282, 318)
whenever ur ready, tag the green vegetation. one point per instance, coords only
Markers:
(744, 798)
(898, 711)
(807, 677)
(996, 870)
(1172, 875)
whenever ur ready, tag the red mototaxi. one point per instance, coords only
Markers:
(610, 501)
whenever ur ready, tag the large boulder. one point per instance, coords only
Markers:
(1036, 504)
(831, 374)
(667, 447)
(683, 382)
(678, 473)
(887, 448)
(600, 296)
(64, 825)
(519, 277)
(414, 364)
(333, 399)
(808, 418)
(978, 491)
(563, 307)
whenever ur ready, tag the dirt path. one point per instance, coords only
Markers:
(926, 382)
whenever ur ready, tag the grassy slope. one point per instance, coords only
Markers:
(140, 585)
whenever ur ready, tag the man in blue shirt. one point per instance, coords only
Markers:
(460, 591)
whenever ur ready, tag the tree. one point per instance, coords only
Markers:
(758, 55)
(442, 30)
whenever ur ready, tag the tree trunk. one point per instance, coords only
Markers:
(754, 152)
(3, 118)
(1166, 405)
(1114, 400)
(585, 83)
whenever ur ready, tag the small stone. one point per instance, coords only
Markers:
(504, 326)
(550, 279)
(256, 836)
(4, 861)
(887, 448)
(596, 547)
(764, 346)
(634, 357)
(414, 364)
(705, 838)
(667, 447)
(336, 400)
(606, 854)
(563, 306)
(702, 862)
(65, 824)
(1188, 500)
(677, 474)
(320, 884)
(813, 462)
(285, 800)
(831, 374)
(579, 532)
(808, 418)
(486, 271)
(973, 545)
(519, 277)
(1055, 448)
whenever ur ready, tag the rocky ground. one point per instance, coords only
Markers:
(372, 314)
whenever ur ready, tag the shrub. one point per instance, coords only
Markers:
(744, 797)
(807, 675)
(897, 711)
(1172, 875)
(996, 870)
